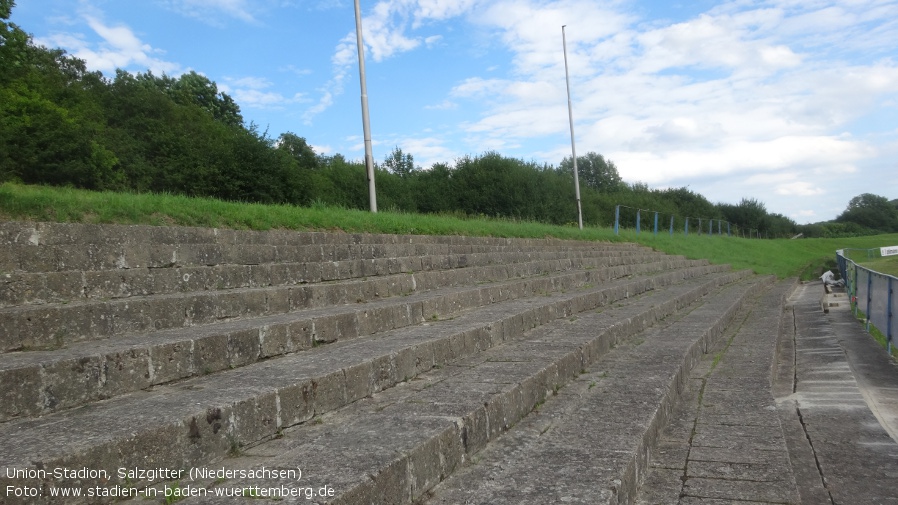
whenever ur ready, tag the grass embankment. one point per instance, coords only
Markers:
(887, 265)
(784, 258)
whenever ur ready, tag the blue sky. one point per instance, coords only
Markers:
(792, 102)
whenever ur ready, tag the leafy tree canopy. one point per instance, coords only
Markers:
(594, 171)
(871, 211)
(299, 149)
(400, 163)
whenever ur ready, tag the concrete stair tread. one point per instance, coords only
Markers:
(134, 340)
(86, 371)
(400, 443)
(48, 247)
(215, 405)
(52, 325)
(70, 286)
(591, 442)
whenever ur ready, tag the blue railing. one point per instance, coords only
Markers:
(686, 224)
(872, 293)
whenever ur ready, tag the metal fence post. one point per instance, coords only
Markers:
(671, 225)
(869, 297)
(656, 224)
(686, 229)
(890, 319)
(616, 219)
(637, 221)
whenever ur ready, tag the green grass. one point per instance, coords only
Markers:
(785, 258)
(887, 265)
(804, 258)
(874, 332)
(37, 203)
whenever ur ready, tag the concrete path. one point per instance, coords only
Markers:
(802, 420)
(842, 406)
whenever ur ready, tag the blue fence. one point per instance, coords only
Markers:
(667, 223)
(870, 292)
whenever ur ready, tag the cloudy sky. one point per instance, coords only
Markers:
(792, 102)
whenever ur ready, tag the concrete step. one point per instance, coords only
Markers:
(395, 447)
(592, 443)
(202, 420)
(724, 442)
(60, 247)
(835, 301)
(87, 371)
(55, 325)
(22, 288)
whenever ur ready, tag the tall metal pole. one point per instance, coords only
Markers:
(570, 113)
(366, 126)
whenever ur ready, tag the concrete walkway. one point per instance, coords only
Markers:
(805, 419)
(842, 406)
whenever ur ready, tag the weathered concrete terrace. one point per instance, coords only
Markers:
(410, 369)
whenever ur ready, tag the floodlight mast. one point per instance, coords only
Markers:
(366, 126)
(570, 113)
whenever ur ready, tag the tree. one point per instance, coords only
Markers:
(193, 88)
(51, 126)
(400, 163)
(595, 172)
(433, 189)
(9, 32)
(750, 214)
(299, 149)
(494, 185)
(871, 211)
(688, 203)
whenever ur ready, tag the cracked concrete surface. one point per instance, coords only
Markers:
(840, 403)
(724, 443)
(819, 428)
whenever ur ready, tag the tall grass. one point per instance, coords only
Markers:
(785, 258)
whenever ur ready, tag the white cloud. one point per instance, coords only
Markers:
(478, 87)
(427, 10)
(798, 188)
(785, 183)
(250, 92)
(531, 29)
(385, 33)
(324, 103)
(736, 91)
(322, 149)
(120, 48)
(426, 150)
(735, 157)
